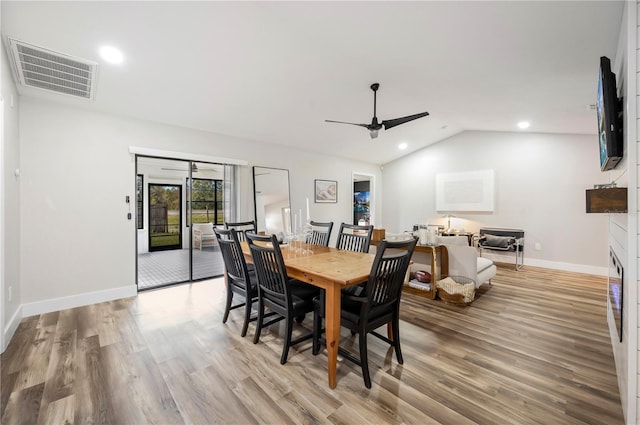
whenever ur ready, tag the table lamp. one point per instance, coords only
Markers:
(448, 217)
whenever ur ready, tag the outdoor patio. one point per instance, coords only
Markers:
(162, 268)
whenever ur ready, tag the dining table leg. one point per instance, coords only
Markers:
(332, 330)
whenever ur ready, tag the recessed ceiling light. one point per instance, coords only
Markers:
(111, 54)
(402, 146)
(523, 124)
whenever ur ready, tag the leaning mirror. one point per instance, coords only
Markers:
(271, 200)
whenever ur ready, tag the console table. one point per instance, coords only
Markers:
(436, 251)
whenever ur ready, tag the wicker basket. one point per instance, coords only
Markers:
(458, 290)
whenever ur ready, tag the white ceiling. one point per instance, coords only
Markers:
(274, 71)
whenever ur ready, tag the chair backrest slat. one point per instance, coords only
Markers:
(270, 268)
(242, 227)
(388, 272)
(354, 238)
(232, 255)
(320, 234)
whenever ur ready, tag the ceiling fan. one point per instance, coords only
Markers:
(387, 124)
(194, 168)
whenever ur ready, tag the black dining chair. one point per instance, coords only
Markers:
(377, 306)
(320, 233)
(242, 227)
(288, 298)
(354, 238)
(240, 280)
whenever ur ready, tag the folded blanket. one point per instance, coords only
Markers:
(419, 285)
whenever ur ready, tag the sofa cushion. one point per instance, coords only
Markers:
(484, 263)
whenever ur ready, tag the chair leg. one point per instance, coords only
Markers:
(247, 315)
(396, 339)
(364, 359)
(317, 327)
(256, 337)
(287, 339)
(228, 306)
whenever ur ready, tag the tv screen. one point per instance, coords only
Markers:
(609, 122)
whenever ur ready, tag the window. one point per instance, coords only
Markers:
(207, 201)
(139, 200)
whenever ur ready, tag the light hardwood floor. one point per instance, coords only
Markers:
(532, 349)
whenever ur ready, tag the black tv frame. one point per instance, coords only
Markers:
(609, 110)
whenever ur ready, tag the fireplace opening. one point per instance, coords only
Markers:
(616, 293)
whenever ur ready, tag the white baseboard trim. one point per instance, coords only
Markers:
(11, 327)
(56, 304)
(554, 265)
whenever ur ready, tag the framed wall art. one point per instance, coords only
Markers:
(326, 191)
(467, 191)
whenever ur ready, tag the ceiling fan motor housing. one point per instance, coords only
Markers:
(387, 124)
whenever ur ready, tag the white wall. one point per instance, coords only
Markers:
(10, 226)
(621, 229)
(623, 234)
(630, 379)
(77, 244)
(626, 352)
(540, 183)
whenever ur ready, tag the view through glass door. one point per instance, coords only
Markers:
(165, 217)
(177, 205)
(206, 211)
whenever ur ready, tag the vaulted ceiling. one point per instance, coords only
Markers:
(274, 71)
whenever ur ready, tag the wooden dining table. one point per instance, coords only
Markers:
(331, 269)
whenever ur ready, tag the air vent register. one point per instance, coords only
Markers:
(49, 70)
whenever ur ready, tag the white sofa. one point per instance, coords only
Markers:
(203, 235)
(464, 261)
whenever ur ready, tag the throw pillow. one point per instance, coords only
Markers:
(497, 241)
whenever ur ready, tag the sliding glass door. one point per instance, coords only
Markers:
(178, 204)
(206, 211)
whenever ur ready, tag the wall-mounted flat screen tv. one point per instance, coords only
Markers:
(609, 118)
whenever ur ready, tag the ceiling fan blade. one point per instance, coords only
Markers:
(397, 121)
(350, 123)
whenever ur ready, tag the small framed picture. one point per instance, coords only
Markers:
(326, 191)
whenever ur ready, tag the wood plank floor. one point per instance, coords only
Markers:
(532, 349)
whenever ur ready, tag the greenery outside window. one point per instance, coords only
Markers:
(207, 201)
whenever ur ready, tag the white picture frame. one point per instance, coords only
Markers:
(326, 191)
(471, 191)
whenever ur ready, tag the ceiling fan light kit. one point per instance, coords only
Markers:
(375, 126)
